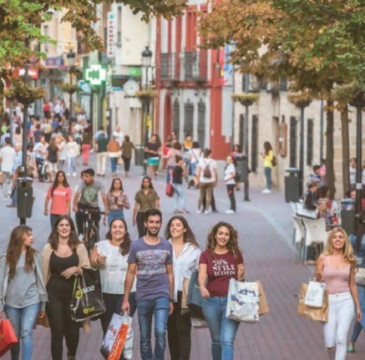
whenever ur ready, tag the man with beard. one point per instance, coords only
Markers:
(150, 259)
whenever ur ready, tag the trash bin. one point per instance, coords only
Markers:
(24, 197)
(292, 185)
(139, 155)
(242, 168)
(348, 215)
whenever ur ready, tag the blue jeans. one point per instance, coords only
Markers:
(168, 169)
(159, 308)
(115, 214)
(222, 330)
(267, 171)
(22, 320)
(179, 195)
(114, 164)
(359, 325)
(71, 164)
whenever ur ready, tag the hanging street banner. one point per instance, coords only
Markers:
(111, 32)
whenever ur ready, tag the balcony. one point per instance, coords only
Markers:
(195, 66)
(169, 67)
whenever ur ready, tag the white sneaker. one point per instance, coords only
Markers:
(68, 174)
(206, 212)
(74, 174)
(230, 211)
(266, 191)
(198, 211)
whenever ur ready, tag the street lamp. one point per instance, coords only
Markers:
(146, 63)
(71, 62)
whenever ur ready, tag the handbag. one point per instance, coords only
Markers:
(314, 295)
(118, 338)
(243, 301)
(169, 190)
(87, 299)
(360, 276)
(7, 336)
(263, 304)
(194, 300)
(316, 314)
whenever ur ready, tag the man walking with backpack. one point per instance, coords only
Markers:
(207, 177)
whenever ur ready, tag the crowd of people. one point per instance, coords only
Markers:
(146, 275)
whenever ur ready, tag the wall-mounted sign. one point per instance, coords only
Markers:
(32, 73)
(54, 62)
(95, 74)
(135, 71)
(111, 32)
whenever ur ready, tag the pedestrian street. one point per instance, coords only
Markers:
(265, 233)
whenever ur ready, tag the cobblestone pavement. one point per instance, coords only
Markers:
(265, 234)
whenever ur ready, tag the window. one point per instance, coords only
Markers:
(191, 31)
(176, 118)
(201, 123)
(293, 142)
(254, 142)
(188, 118)
(246, 83)
(310, 142)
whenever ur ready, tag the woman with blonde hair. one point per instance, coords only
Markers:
(22, 291)
(336, 268)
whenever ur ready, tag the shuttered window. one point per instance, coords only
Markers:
(254, 143)
(188, 118)
(176, 118)
(201, 123)
(293, 142)
(310, 142)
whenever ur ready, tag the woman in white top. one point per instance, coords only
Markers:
(185, 260)
(111, 256)
(72, 150)
(229, 179)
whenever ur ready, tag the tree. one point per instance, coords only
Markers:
(314, 43)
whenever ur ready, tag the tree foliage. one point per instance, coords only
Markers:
(21, 20)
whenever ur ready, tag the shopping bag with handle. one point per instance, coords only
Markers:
(243, 301)
(316, 314)
(118, 338)
(314, 296)
(7, 336)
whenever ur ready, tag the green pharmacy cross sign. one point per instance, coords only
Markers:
(95, 75)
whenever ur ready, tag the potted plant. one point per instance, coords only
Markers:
(24, 93)
(146, 95)
(70, 88)
(246, 99)
(300, 98)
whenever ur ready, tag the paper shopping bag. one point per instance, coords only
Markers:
(243, 301)
(7, 336)
(315, 294)
(316, 314)
(263, 304)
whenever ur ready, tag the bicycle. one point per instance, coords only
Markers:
(90, 229)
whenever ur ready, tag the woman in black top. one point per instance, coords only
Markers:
(62, 258)
(178, 175)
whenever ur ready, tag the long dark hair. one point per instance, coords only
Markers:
(267, 147)
(73, 241)
(15, 248)
(55, 181)
(126, 244)
(232, 244)
(147, 177)
(112, 185)
(188, 234)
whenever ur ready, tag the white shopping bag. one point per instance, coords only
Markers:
(243, 301)
(111, 335)
(315, 294)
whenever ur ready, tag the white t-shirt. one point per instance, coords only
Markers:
(119, 136)
(7, 154)
(203, 162)
(352, 175)
(230, 169)
(114, 271)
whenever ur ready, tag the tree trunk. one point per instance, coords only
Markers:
(345, 150)
(330, 175)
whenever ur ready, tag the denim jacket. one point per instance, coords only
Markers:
(361, 252)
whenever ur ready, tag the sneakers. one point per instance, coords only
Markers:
(198, 211)
(351, 348)
(266, 191)
(206, 212)
(74, 174)
(230, 211)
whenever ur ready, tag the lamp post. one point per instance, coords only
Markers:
(146, 63)
(71, 62)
